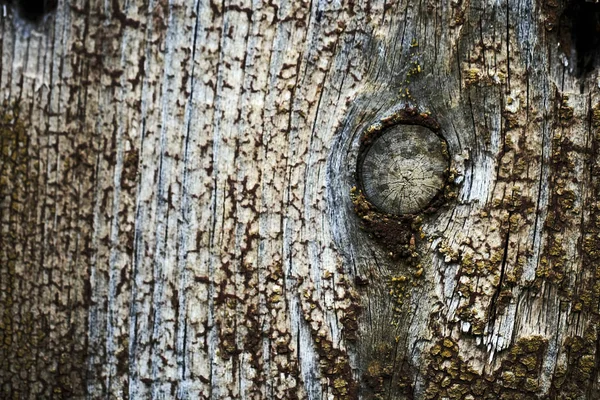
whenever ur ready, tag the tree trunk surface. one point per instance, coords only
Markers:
(194, 204)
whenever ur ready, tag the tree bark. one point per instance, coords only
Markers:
(183, 213)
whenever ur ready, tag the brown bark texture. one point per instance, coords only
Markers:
(183, 213)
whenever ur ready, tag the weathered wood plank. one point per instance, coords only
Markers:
(178, 219)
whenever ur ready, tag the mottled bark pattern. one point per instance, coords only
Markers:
(163, 225)
(495, 294)
(180, 215)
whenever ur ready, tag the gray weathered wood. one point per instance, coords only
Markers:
(180, 215)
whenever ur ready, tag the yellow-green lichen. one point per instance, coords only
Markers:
(450, 376)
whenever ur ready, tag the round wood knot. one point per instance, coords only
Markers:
(404, 169)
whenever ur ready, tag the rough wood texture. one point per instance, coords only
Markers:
(177, 217)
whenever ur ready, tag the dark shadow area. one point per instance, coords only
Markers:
(32, 10)
(579, 33)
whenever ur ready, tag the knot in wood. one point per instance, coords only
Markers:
(404, 169)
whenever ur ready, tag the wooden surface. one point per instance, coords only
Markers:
(403, 169)
(176, 216)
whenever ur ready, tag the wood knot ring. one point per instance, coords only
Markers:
(403, 169)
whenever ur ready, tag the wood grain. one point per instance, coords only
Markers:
(176, 218)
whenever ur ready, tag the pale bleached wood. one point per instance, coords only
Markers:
(181, 198)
